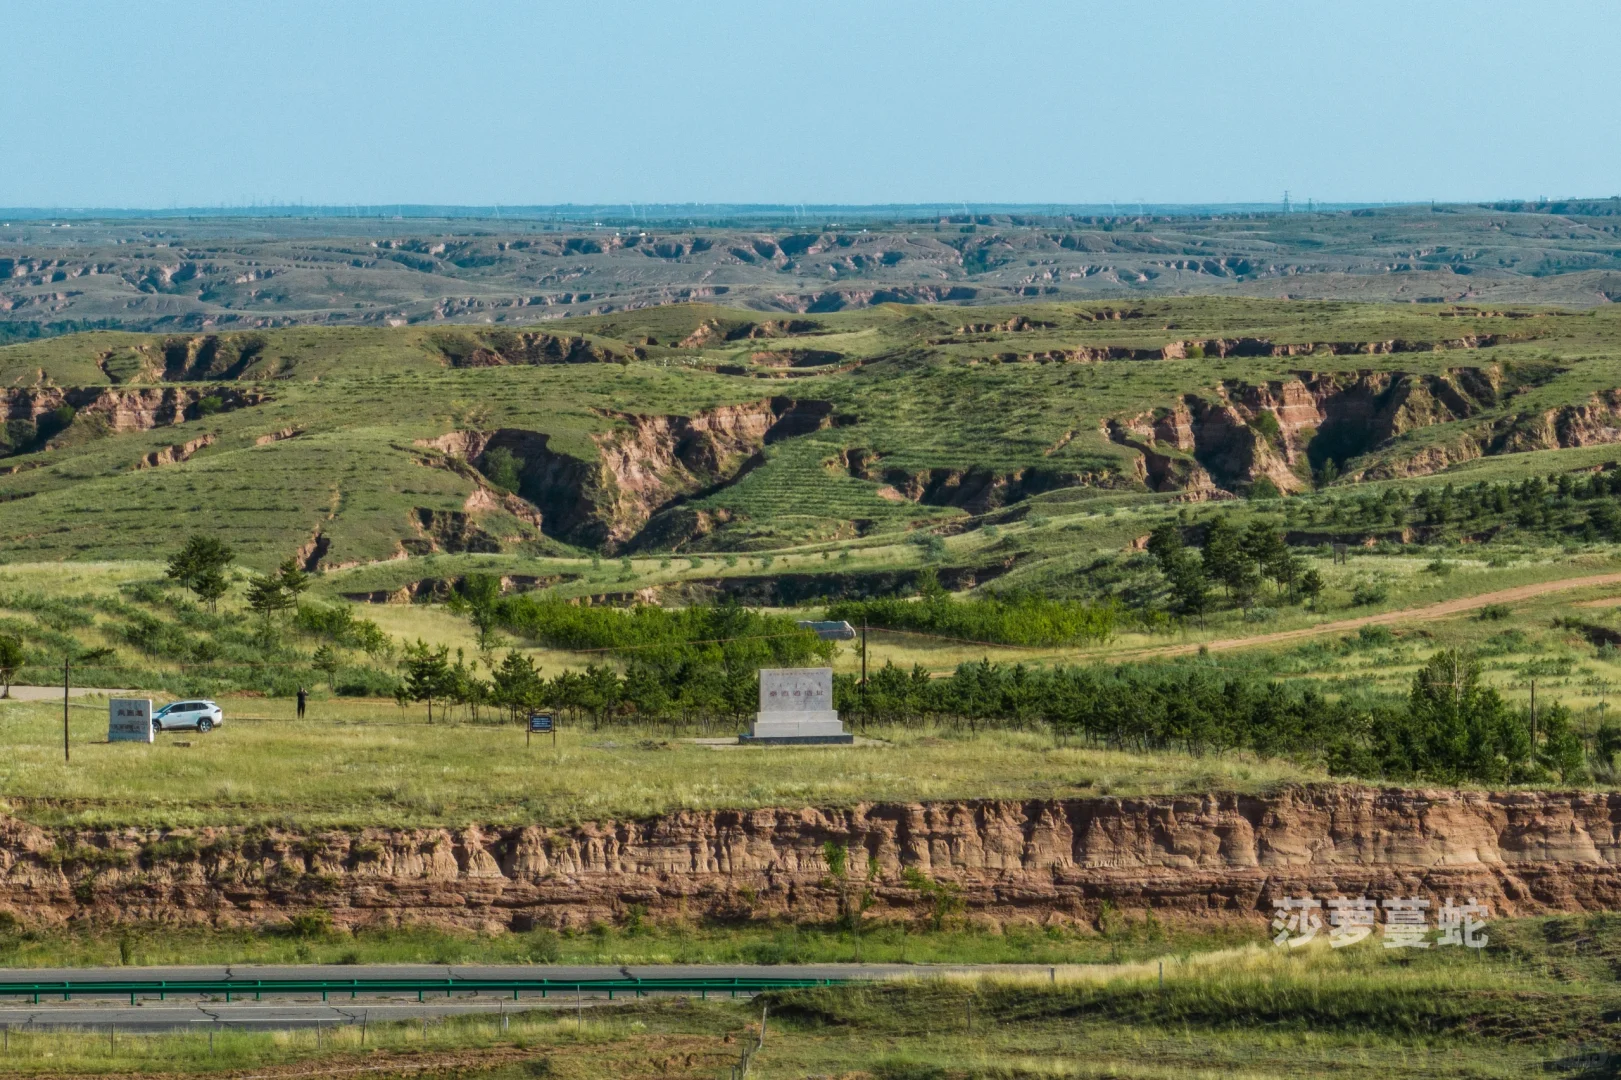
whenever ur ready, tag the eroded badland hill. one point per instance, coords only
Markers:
(223, 273)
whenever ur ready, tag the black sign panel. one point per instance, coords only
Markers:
(540, 723)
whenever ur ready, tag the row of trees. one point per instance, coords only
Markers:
(1239, 562)
(1022, 618)
(670, 639)
(1451, 727)
(1562, 502)
(695, 695)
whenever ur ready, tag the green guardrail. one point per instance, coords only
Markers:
(241, 988)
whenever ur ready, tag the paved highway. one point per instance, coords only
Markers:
(200, 1013)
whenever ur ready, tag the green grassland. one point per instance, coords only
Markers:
(362, 760)
(358, 763)
(1540, 998)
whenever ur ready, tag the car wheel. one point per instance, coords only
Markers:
(205, 725)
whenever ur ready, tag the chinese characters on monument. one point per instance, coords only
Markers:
(129, 720)
(796, 690)
(1298, 920)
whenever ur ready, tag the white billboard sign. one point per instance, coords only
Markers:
(129, 720)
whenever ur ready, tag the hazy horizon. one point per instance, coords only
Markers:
(650, 210)
(738, 215)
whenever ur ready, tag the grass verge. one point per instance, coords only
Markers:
(636, 943)
(1540, 999)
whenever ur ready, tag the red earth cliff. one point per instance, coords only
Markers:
(1196, 857)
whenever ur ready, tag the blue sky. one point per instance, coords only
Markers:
(157, 104)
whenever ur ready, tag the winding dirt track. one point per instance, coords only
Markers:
(1418, 614)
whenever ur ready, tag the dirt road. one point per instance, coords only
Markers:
(1418, 614)
(54, 693)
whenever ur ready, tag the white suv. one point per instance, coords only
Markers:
(201, 716)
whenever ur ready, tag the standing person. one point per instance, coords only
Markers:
(303, 696)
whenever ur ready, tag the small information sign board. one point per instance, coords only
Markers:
(540, 724)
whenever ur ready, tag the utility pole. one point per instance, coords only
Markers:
(863, 671)
(66, 673)
(1533, 719)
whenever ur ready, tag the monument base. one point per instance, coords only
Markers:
(845, 739)
(809, 728)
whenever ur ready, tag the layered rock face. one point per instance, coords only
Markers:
(1245, 432)
(1207, 446)
(1209, 857)
(530, 347)
(139, 409)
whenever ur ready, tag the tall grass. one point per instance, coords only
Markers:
(365, 762)
(641, 942)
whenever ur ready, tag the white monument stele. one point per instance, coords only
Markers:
(796, 708)
(129, 720)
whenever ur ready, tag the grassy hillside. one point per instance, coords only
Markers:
(675, 429)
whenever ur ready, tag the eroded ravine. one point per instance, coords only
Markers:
(1226, 440)
(644, 463)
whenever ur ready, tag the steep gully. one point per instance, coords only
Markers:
(1211, 445)
(645, 464)
(1215, 857)
(975, 489)
(649, 467)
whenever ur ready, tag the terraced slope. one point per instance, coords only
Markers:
(696, 428)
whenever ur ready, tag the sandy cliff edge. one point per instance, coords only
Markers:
(1216, 857)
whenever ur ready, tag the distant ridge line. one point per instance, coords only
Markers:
(808, 215)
